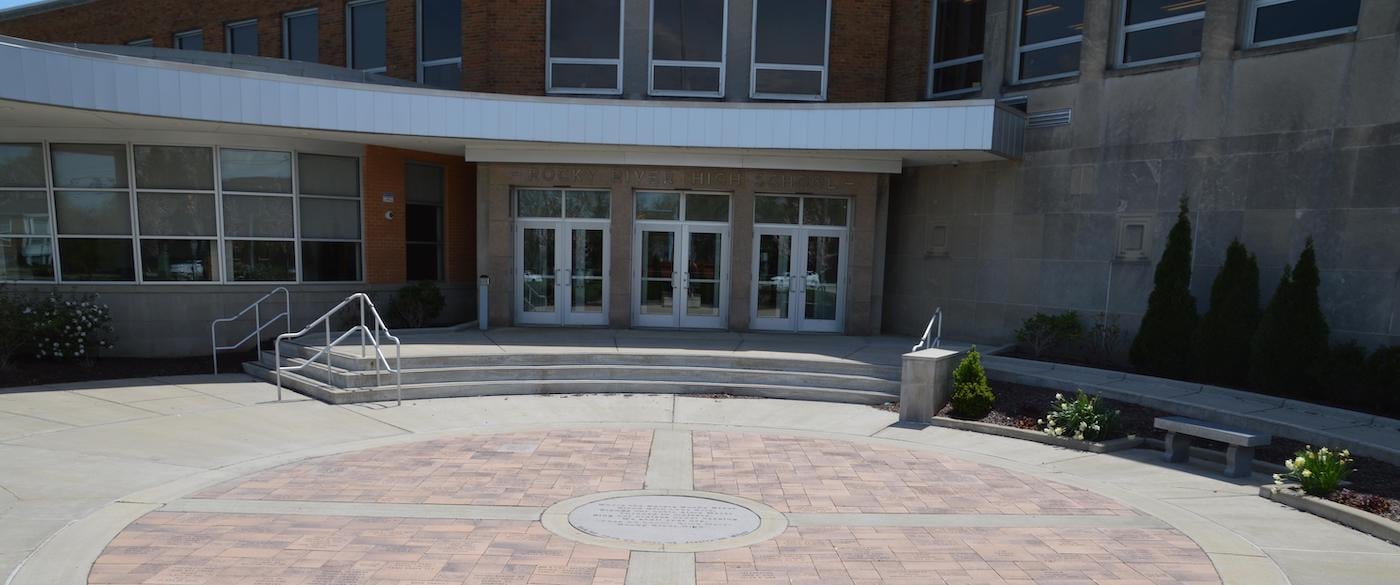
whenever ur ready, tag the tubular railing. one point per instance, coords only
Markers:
(932, 337)
(258, 325)
(368, 338)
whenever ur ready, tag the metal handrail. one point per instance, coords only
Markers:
(258, 325)
(366, 334)
(932, 337)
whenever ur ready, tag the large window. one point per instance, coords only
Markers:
(190, 40)
(1156, 31)
(440, 43)
(688, 47)
(241, 38)
(790, 49)
(1273, 22)
(423, 188)
(955, 51)
(366, 28)
(164, 213)
(585, 47)
(1049, 35)
(300, 36)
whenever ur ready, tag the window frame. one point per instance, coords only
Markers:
(47, 190)
(653, 62)
(550, 60)
(350, 35)
(754, 65)
(1018, 49)
(1123, 29)
(198, 32)
(441, 205)
(418, 57)
(934, 66)
(287, 32)
(228, 36)
(142, 42)
(802, 210)
(1251, 18)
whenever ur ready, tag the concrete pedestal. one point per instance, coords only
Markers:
(925, 383)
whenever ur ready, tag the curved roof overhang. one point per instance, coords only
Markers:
(132, 92)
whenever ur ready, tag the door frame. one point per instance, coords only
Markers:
(680, 257)
(838, 324)
(788, 323)
(563, 271)
(796, 321)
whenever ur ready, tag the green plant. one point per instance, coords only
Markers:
(1292, 335)
(70, 329)
(1221, 346)
(1103, 339)
(16, 327)
(1042, 334)
(1318, 472)
(418, 304)
(1163, 343)
(1383, 367)
(1083, 417)
(972, 396)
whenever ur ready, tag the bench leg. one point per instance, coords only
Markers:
(1178, 448)
(1239, 461)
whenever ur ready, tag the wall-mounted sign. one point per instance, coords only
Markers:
(388, 196)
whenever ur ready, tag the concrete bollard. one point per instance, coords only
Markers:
(925, 383)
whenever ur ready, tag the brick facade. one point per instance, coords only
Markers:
(384, 238)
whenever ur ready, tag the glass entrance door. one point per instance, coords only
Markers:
(561, 251)
(682, 277)
(800, 276)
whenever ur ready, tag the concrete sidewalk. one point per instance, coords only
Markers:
(94, 459)
(1369, 435)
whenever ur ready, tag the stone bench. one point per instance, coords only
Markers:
(1239, 457)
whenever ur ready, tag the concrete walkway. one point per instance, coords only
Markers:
(78, 466)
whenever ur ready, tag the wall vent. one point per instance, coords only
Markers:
(1049, 119)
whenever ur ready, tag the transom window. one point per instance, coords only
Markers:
(677, 206)
(688, 47)
(440, 43)
(584, 47)
(1049, 34)
(563, 203)
(190, 40)
(802, 210)
(163, 213)
(790, 49)
(300, 36)
(1156, 31)
(364, 21)
(955, 55)
(241, 38)
(1273, 22)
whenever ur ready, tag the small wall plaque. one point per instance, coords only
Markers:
(388, 196)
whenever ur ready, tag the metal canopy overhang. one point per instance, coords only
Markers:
(78, 88)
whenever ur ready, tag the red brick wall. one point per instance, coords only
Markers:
(859, 50)
(908, 52)
(384, 238)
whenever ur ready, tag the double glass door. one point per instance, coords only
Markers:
(563, 275)
(682, 279)
(799, 279)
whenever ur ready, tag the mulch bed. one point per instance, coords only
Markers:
(1374, 486)
(34, 373)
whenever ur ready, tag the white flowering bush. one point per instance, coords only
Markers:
(1083, 418)
(1318, 472)
(70, 329)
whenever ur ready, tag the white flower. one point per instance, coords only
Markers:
(1299, 462)
(1307, 473)
(1079, 436)
(1083, 425)
(1095, 427)
(1289, 464)
(1059, 396)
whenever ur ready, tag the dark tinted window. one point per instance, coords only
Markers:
(1055, 60)
(302, 37)
(578, 76)
(686, 78)
(329, 261)
(1140, 11)
(1047, 20)
(190, 41)
(960, 27)
(367, 35)
(1163, 42)
(791, 32)
(1304, 17)
(688, 30)
(441, 26)
(585, 28)
(243, 39)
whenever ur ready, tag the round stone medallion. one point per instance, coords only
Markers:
(664, 519)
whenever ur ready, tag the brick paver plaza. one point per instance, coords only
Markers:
(466, 510)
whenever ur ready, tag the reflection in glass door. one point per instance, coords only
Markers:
(681, 272)
(799, 263)
(537, 288)
(773, 280)
(586, 277)
(562, 250)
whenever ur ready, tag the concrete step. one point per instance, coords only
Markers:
(544, 357)
(309, 386)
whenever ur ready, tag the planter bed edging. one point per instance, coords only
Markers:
(1382, 528)
(1109, 446)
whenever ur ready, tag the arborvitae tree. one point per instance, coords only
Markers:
(1163, 343)
(1292, 335)
(1221, 347)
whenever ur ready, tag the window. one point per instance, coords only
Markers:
(146, 42)
(440, 43)
(790, 49)
(330, 217)
(192, 40)
(423, 192)
(794, 210)
(1132, 236)
(301, 36)
(570, 203)
(365, 25)
(241, 38)
(259, 225)
(688, 47)
(667, 205)
(1273, 22)
(1156, 31)
(176, 210)
(92, 205)
(1049, 34)
(26, 242)
(585, 47)
(955, 51)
